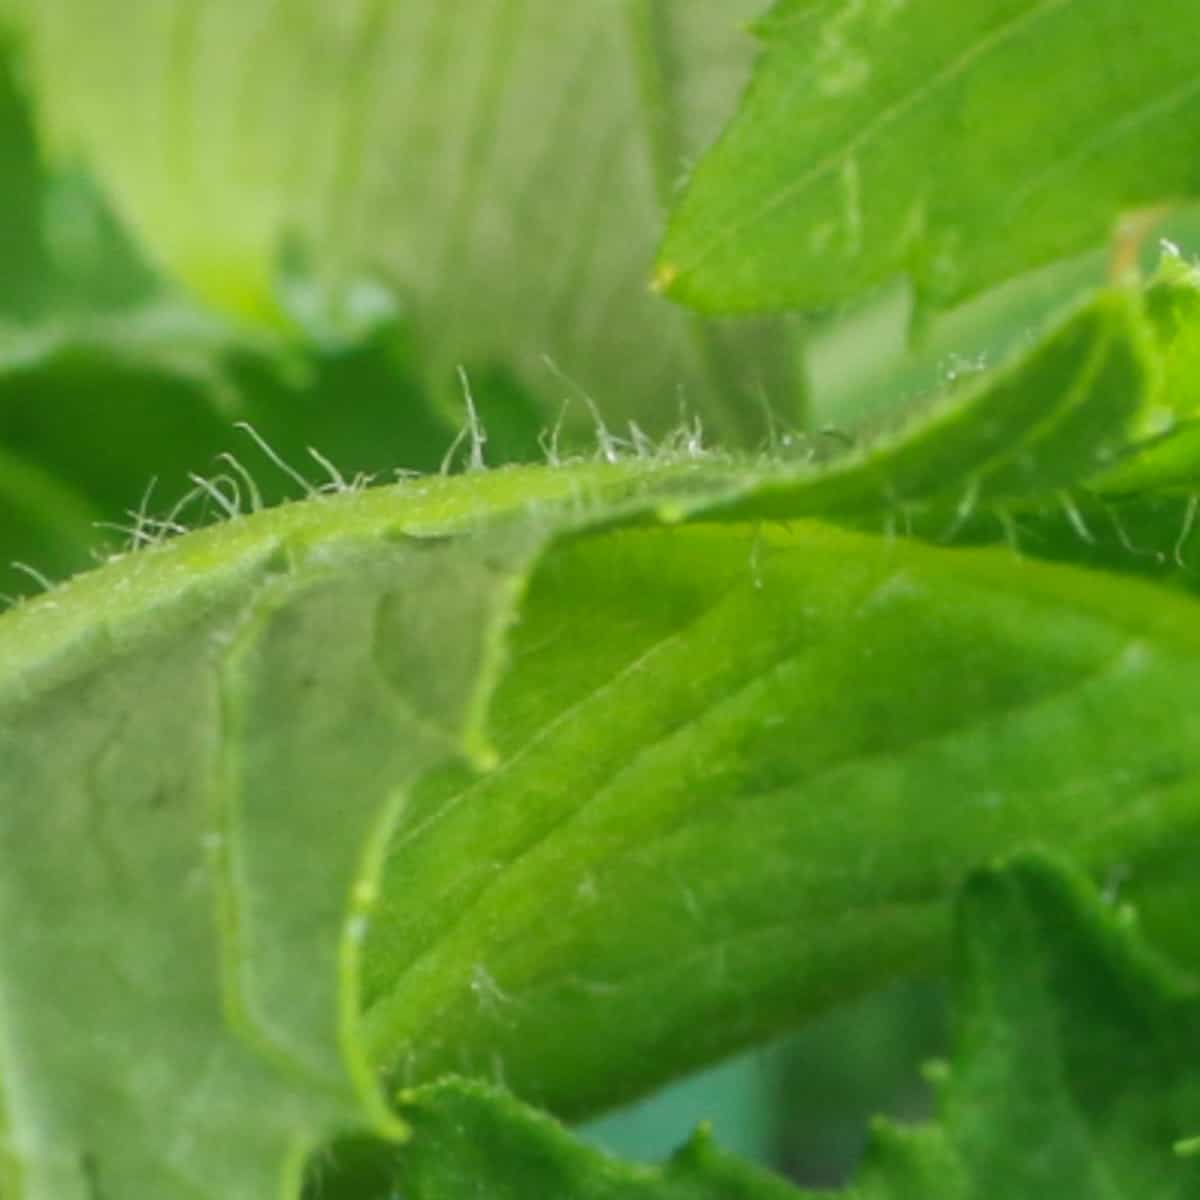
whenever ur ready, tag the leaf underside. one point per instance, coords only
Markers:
(371, 784)
(560, 782)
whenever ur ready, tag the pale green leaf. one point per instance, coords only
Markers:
(217, 835)
(466, 775)
(502, 168)
(162, 1059)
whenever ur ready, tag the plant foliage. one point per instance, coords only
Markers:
(351, 844)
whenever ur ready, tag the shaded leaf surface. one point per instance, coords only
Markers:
(469, 1137)
(1072, 1073)
(107, 423)
(1071, 1076)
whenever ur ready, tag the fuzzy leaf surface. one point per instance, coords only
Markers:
(145, 883)
(277, 909)
(114, 387)
(465, 776)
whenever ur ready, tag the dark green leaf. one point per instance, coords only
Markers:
(470, 1139)
(1073, 1072)
(1072, 1076)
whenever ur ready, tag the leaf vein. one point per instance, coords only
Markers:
(903, 105)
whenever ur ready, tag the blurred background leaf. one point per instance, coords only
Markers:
(116, 386)
(801, 1105)
(916, 357)
(496, 172)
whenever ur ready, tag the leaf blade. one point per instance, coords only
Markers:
(811, 197)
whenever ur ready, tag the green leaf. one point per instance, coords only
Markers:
(1058, 415)
(125, 415)
(575, 779)
(1072, 1072)
(210, 754)
(470, 1139)
(1071, 1076)
(44, 523)
(243, 777)
(107, 423)
(1171, 459)
(127, 871)
(500, 168)
(960, 144)
(22, 247)
(768, 715)
(151, 875)
(1082, 447)
(908, 364)
(63, 251)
